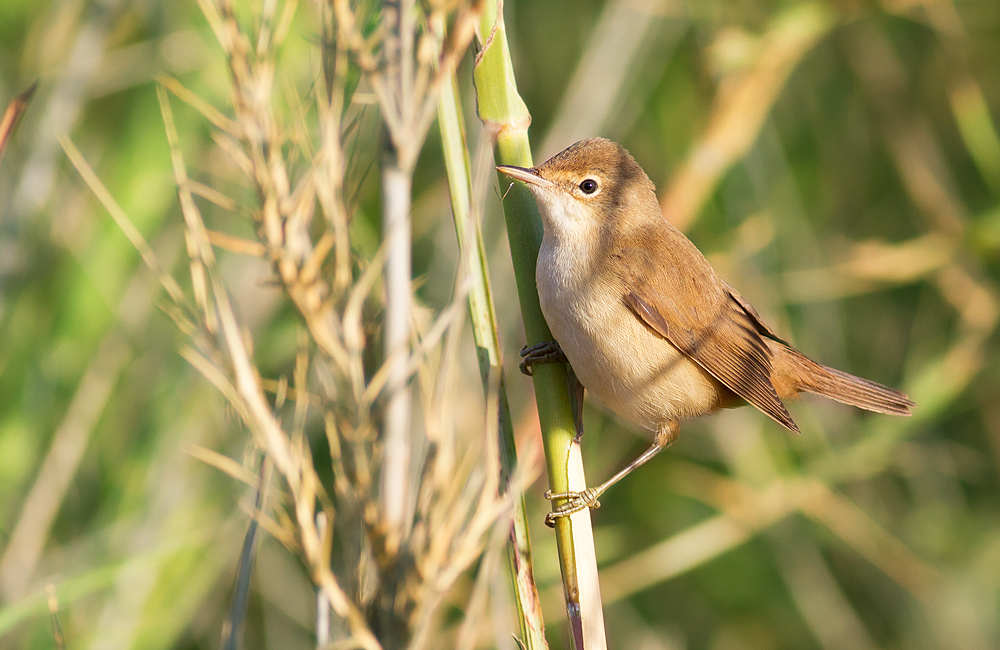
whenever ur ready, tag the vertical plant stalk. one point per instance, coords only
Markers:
(237, 377)
(407, 94)
(396, 338)
(484, 329)
(397, 168)
(506, 117)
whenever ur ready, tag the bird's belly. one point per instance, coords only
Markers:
(632, 371)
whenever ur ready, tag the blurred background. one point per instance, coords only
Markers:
(839, 164)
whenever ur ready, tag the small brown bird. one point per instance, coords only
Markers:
(646, 324)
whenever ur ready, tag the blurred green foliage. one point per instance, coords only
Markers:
(863, 220)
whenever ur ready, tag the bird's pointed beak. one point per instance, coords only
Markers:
(525, 174)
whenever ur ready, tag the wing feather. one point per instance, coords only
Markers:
(722, 335)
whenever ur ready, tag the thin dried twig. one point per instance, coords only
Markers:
(12, 116)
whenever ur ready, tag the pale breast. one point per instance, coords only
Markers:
(634, 372)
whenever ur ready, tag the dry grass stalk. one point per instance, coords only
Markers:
(405, 67)
(384, 582)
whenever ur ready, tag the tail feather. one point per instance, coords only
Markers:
(805, 375)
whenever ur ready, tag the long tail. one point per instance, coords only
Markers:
(794, 372)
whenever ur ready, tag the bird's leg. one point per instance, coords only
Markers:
(577, 501)
(547, 352)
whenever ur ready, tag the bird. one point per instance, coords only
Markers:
(647, 325)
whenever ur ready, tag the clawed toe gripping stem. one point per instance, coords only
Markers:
(546, 352)
(575, 502)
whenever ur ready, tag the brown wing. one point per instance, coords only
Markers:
(714, 327)
(759, 323)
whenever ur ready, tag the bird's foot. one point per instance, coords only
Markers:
(575, 502)
(547, 352)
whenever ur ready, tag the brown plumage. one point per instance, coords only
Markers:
(648, 326)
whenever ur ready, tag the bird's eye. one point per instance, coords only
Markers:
(588, 186)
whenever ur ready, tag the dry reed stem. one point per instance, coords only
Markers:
(400, 79)
(397, 434)
(456, 505)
